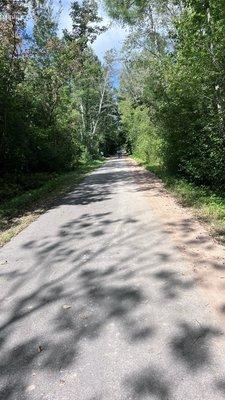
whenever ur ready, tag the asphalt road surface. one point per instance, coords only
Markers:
(97, 304)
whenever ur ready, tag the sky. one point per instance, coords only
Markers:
(113, 38)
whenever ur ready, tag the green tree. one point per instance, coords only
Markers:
(55, 95)
(174, 67)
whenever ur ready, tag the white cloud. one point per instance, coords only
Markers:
(113, 38)
(65, 21)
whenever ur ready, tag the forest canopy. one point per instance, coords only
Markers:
(57, 103)
(172, 86)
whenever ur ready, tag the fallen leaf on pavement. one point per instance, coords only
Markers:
(30, 388)
(40, 349)
(66, 307)
(84, 316)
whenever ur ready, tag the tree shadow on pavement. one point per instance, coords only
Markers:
(192, 345)
(95, 296)
(173, 282)
(90, 272)
(220, 385)
(149, 382)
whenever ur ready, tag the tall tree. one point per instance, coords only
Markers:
(174, 68)
(12, 23)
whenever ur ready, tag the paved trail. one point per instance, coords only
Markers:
(97, 304)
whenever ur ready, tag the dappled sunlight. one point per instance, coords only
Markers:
(97, 271)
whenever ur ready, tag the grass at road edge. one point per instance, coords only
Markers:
(208, 206)
(20, 211)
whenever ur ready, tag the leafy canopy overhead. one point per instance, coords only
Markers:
(57, 104)
(172, 84)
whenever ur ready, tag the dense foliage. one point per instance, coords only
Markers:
(57, 105)
(173, 86)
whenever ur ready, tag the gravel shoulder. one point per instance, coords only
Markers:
(204, 254)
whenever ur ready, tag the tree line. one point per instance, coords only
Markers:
(57, 102)
(172, 94)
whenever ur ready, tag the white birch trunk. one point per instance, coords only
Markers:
(95, 125)
(217, 86)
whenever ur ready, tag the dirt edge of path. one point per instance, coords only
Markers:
(205, 256)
